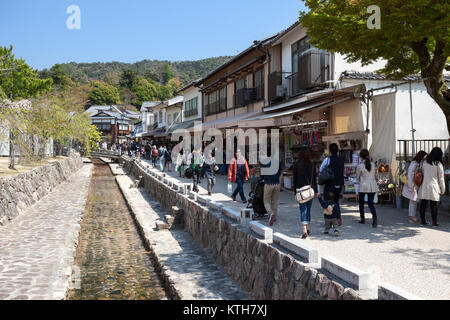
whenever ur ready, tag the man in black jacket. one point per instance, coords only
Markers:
(337, 166)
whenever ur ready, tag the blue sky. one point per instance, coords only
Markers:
(133, 30)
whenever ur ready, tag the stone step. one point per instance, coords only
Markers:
(169, 219)
(177, 211)
(161, 225)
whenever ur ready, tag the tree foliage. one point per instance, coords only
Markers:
(103, 94)
(167, 74)
(414, 37)
(144, 91)
(17, 79)
(128, 78)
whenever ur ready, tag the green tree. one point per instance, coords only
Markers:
(152, 76)
(128, 78)
(144, 91)
(174, 85)
(17, 79)
(414, 37)
(103, 94)
(60, 76)
(167, 74)
(164, 93)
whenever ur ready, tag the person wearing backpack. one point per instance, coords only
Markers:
(154, 156)
(410, 190)
(336, 182)
(433, 185)
(196, 160)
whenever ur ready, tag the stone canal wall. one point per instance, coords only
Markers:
(21, 191)
(263, 270)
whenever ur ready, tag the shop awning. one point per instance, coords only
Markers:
(285, 117)
(227, 122)
(183, 125)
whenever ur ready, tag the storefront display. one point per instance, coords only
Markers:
(297, 136)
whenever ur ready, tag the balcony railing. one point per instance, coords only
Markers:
(191, 112)
(216, 107)
(247, 96)
(405, 150)
(314, 73)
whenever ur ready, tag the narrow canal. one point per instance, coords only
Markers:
(111, 257)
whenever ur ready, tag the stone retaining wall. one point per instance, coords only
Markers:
(19, 192)
(264, 271)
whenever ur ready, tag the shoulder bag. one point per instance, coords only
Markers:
(326, 174)
(418, 176)
(305, 193)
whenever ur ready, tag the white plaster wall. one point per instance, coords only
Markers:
(429, 120)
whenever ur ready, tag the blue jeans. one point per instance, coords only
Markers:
(305, 212)
(162, 164)
(240, 188)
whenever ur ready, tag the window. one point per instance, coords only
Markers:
(102, 124)
(160, 116)
(310, 67)
(216, 101)
(194, 105)
(169, 117)
(123, 127)
(258, 82)
(191, 107)
(223, 99)
(240, 84)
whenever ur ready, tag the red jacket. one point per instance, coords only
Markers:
(232, 170)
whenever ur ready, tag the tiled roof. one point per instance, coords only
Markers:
(375, 76)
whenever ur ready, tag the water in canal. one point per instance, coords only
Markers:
(111, 257)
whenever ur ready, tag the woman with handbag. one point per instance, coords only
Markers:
(305, 183)
(209, 170)
(410, 189)
(433, 185)
(365, 173)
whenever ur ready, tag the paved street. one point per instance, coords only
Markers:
(409, 256)
(37, 248)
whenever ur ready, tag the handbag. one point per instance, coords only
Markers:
(230, 188)
(305, 193)
(418, 176)
(326, 174)
(404, 177)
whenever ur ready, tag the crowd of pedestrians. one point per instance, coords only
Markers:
(425, 182)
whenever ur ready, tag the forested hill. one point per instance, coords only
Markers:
(186, 71)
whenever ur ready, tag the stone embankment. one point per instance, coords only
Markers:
(20, 192)
(262, 269)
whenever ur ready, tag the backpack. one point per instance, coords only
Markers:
(327, 174)
(155, 153)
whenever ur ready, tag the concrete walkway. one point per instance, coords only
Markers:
(193, 275)
(37, 249)
(409, 256)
